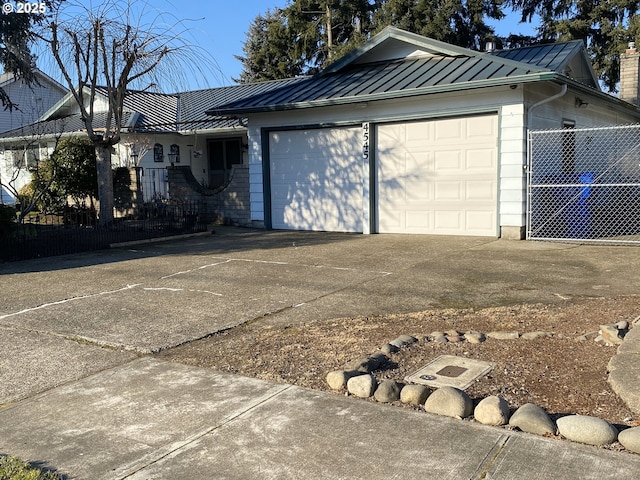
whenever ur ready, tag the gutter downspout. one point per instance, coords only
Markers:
(562, 92)
(527, 166)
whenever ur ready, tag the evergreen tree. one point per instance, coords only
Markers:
(459, 22)
(267, 50)
(324, 30)
(605, 27)
(16, 35)
(304, 37)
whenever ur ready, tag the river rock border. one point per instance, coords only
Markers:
(358, 381)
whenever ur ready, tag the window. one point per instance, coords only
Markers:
(24, 157)
(174, 153)
(568, 147)
(223, 155)
(158, 153)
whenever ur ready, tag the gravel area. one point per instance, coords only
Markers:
(563, 373)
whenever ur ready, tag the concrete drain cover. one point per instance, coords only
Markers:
(450, 371)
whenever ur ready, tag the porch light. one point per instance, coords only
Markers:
(581, 103)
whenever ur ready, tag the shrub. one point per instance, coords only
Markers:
(7, 220)
(12, 468)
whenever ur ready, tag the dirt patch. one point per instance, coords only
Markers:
(558, 373)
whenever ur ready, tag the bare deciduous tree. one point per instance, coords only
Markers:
(105, 50)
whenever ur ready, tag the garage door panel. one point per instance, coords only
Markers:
(479, 190)
(418, 220)
(448, 221)
(447, 191)
(447, 171)
(482, 127)
(477, 221)
(316, 180)
(481, 159)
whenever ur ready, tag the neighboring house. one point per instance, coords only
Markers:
(158, 130)
(411, 135)
(31, 101)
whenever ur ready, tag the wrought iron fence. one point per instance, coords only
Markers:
(584, 185)
(76, 230)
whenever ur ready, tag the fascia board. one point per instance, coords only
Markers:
(68, 99)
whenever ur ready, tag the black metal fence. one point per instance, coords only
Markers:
(76, 230)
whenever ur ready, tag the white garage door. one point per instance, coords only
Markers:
(316, 180)
(438, 176)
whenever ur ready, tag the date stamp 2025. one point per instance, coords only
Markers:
(28, 8)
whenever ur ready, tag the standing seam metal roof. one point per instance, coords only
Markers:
(347, 80)
(399, 75)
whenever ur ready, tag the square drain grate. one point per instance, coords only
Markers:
(450, 371)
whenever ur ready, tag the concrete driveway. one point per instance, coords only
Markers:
(64, 318)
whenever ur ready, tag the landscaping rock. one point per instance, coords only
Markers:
(361, 364)
(454, 338)
(440, 339)
(388, 391)
(585, 429)
(408, 339)
(474, 337)
(337, 379)
(377, 360)
(403, 341)
(492, 410)
(611, 334)
(449, 401)
(535, 335)
(362, 386)
(414, 394)
(630, 439)
(531, 418)
(367, 364)
(504, 335)
(388, 349)
(622, 325)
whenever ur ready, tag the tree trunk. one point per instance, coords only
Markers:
(105, 184)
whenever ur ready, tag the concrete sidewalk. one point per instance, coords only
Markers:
(152, 419)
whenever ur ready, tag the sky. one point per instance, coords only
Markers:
(217, 30)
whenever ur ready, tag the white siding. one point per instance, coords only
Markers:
(513, 158)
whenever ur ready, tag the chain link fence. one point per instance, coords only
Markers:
(584, 185)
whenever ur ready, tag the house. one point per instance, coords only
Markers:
(31, 102)
(411, 135)
(158, 130)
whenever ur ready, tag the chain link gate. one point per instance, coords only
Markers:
(584, 185)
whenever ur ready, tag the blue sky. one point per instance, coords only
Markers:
(225, 26)
(218, 29)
